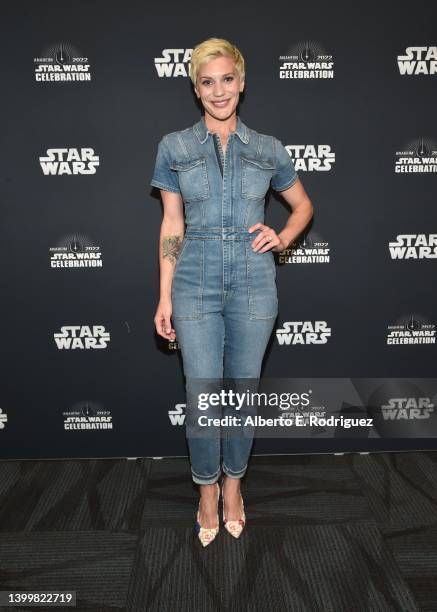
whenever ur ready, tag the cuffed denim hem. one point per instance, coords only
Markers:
(204, 481)
(232, 474)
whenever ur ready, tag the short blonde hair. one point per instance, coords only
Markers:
(210, 49)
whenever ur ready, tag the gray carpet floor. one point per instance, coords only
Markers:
(324, 533)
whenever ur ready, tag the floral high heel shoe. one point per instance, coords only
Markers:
(233, 527)
(207, 534)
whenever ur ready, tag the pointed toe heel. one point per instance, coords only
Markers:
(207, 534)
(234, 527)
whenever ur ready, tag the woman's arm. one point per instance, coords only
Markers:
(302, 211)
(170, 241)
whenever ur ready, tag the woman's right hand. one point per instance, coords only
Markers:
(163, 320)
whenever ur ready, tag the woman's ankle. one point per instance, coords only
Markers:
(231, 484)
(208, 491)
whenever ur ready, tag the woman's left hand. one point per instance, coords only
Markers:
(267, 239)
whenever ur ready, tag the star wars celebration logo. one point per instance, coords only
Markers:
(413, 246)
(298, 407)
(3, 419)
(82, 337)
(72, 161)
(87, 415)
(307, 249)
(173, 63)
(177, 415)
(411, 330)
(417, 157)
(303, 332)
(306, 60)
(75, 251)
(311, 158)
(418, 60)
(61, 62)
(407, 408)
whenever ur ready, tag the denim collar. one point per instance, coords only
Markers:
(202, 131)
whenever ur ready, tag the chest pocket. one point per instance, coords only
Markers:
(193, 179)
(255, 177)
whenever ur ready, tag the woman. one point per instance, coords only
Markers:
(218, 278)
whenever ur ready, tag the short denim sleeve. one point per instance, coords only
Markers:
(285, 173)
(163, 176)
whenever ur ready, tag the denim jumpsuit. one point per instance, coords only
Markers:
(224, 295)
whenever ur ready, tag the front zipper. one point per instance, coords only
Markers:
(219, 152)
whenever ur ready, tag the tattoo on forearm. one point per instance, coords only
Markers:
(171, 245)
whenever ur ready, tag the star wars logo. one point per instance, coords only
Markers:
(306, 60)
(67, 72)
(414, 246)
(419, 156)
(418, 60)
(309, 248)
(91, 258)
(87, 415)
(173, 63)
(303, 332)
(177, 416)
(318, 253)
(415, 165)
(76, 251)
(407, 408)
(305, 416)
(69, 161)
(88, 422)
(82, 337)
(411, 332)
(62, 62)
(311, 158)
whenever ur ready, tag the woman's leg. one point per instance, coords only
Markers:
(201, 341)
(245, 344)
(250, 314)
